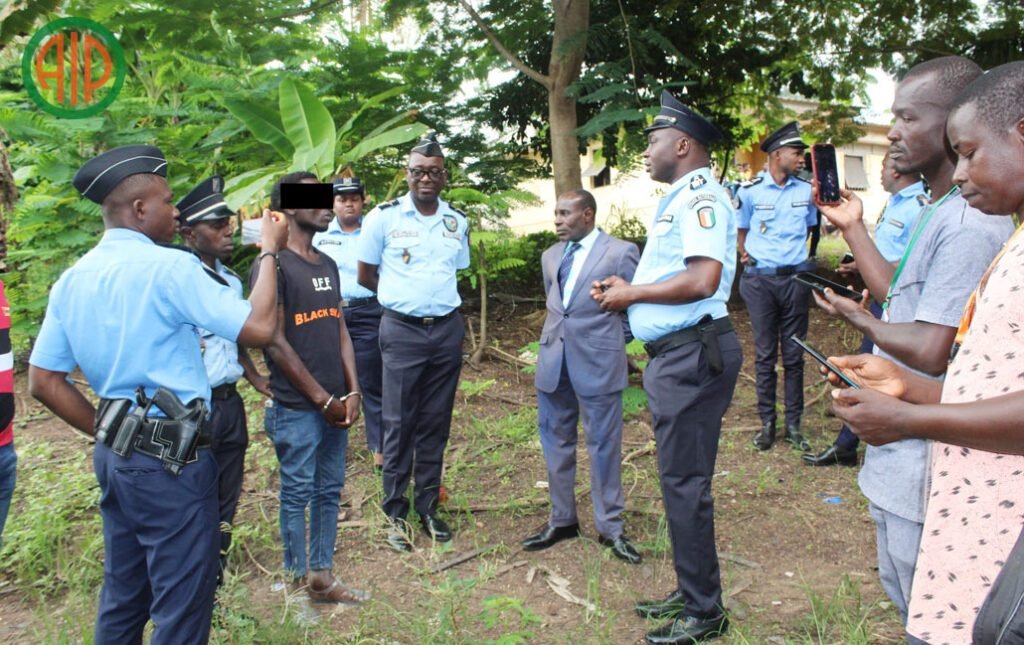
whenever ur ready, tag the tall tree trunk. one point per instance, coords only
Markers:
(8, 197)
(568, 47)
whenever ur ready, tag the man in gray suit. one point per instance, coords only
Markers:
(582, 363)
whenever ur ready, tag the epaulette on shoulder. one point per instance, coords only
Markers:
(228, 269)
(458, 211)
(216, 276)
(799, 178)
(752, 182)
(393, 202)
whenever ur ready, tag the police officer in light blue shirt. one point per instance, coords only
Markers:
(676, 302)
(896, 224)
(126, 313)
(409, 252)
(340, 242)
(776, 215)
(207, 229)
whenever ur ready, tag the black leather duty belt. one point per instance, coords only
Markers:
(416, 320)
(686, 336)
(358, 302)
(222, 392)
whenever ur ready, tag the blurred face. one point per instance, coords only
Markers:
(990, 164)
(212, 238)
(348, 207)
(661, 157)
(917, 139)
(156, 212)
(425, 177)
(573, 222)
(889, 176)
(789, 160)
(311, 219)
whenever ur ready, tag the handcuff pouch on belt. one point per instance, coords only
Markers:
(173, 440)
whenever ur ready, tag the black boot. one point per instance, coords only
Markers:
(834, 455)
(794, 437)
(765, 437)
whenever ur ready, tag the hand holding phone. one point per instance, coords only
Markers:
(818, 356)
(819, 284)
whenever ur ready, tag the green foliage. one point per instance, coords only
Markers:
(53, 542)
(634, 401)
(842, 617)
(474, 388)
(510, 616)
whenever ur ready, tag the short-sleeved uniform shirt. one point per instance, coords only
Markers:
(894, 227)
(418, 256)
(695, 219)
(310, 296)
(943, 267)
(777, 218)
(220, 355)
(127, 314)
(343, 248)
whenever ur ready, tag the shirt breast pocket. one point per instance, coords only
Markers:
(403, 249)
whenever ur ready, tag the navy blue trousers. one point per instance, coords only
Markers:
(229, 440)
(364, 328)
(687, 403)
(161, 539)
(421, 371)
(778, 307)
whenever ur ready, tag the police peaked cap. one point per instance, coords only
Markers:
(343, 185)
(674, 114)
(99, 176)
(786, 136)
(204, 203)
(428, 146)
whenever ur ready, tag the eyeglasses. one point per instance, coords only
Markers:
(419, 173)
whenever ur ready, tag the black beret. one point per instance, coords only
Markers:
(99, 176)
(204, 203)
(786, 136)
(428, 146)
(674, 114)
(347, 185)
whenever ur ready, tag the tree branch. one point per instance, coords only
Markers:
(502, 49)
(310, 9)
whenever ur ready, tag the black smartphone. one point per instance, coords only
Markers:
(819, 284)
(300, 195)
(826, 172)
(848, 258)
(824, 361)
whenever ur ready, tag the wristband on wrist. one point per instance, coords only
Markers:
(328, 404)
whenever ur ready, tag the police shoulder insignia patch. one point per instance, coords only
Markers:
(450, 223)
(697, 182)
(702, 197)
(922, 199)
(706, 217)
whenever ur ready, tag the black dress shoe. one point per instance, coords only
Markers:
(688, 629)
(550, 536)
(669, 607)
(621, 548)
(796, 439)
(832, 456)
(436, 528)
(765, 437)
(397, 537)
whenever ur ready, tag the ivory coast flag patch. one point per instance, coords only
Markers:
(706, 217)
